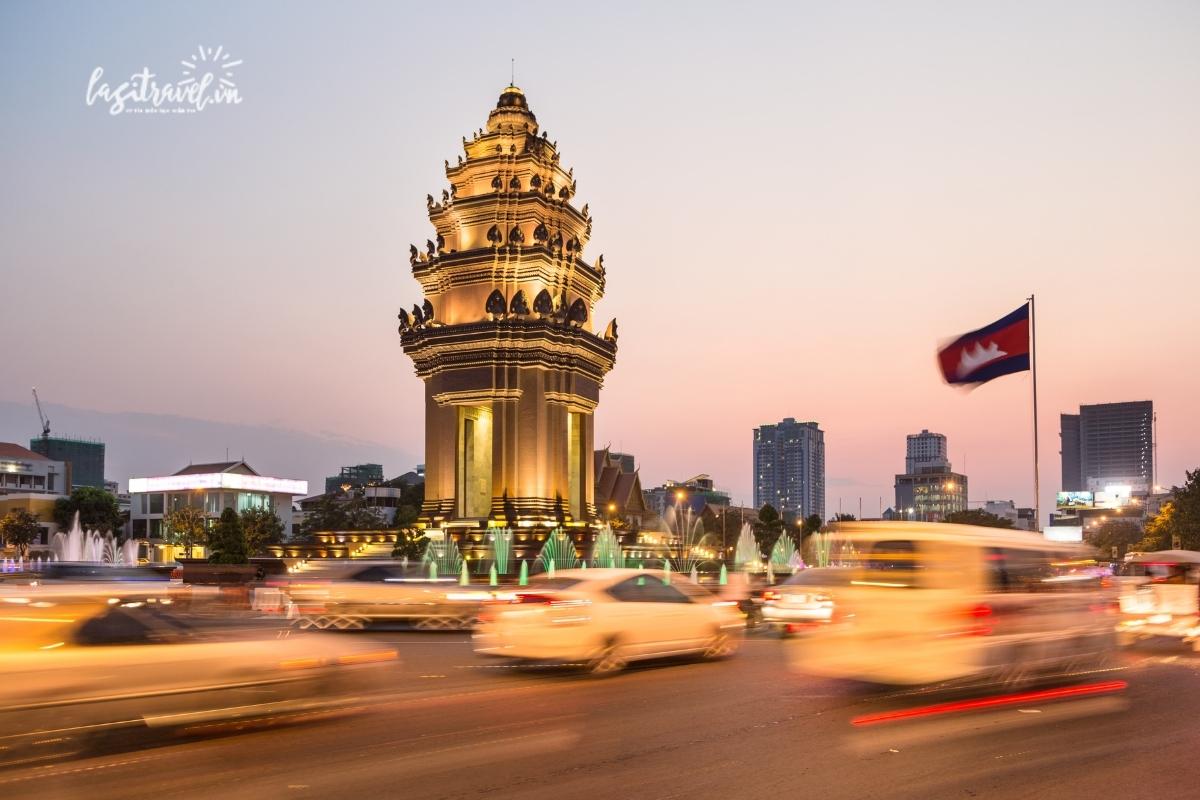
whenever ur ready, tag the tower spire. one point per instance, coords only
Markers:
(512, 72)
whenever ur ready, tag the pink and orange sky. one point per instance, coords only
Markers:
(795, 202)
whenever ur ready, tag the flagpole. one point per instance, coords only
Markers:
(1037, 494)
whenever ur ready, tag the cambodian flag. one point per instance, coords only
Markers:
(991, 351)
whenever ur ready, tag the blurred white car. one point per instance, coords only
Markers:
(606, 618)
(1160, 596)
(805, 600)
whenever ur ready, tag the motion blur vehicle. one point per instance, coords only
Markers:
(940, 603)
(606, 618)
(352, 597)
(75, 664)
(805, 601)
(1160, 596)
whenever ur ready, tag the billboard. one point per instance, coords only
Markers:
(1064, 533)
(1075, 500)
(1114, 496)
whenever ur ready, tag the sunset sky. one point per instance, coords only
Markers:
(796, 203)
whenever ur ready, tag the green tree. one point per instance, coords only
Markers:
(977, 516)
(410, 544)
(184, 527)
(326, 514)
(1179, 518)
(767, 531)
(227, 540)
(331, 513)
(810, 525)
(362, 517)
(840, 517)
(1160, 530)
(97, 509)
(1119, 533)
(261, 529)
(19, 528)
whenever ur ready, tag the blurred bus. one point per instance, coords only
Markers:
(930, 603)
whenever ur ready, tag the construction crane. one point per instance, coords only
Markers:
(41, 416)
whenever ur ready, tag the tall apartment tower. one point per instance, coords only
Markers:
(789, 467)
(1108, 443)
(926, 449)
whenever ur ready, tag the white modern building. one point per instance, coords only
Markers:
(24, 471)
(31, 482)
(212, 488)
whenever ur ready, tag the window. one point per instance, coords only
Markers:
(646, 589)
(156, 503)
(893, 556)
(1015, 570)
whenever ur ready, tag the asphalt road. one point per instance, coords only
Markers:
(458, 727)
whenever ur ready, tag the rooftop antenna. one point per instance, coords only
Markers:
(41, 416)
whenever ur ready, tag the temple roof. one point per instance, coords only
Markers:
(512, 96)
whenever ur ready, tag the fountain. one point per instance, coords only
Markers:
(784, 555)
(747, 556)
(501, 549)
(689, 548)
(90, 546)
(443, 553)
(606, 552)
(523, 580)
(558, 551)
(827, 551)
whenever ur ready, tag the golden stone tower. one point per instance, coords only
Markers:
(504, 339)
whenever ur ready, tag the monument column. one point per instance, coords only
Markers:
(504, 338)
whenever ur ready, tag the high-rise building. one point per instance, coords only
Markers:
(789, 468)
(925, 449)
(1109, 444)
(929, 489)
(504, 338)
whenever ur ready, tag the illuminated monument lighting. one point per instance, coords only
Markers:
(504, 339)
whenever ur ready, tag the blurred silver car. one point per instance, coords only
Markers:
(351, 597)
(804, 601)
